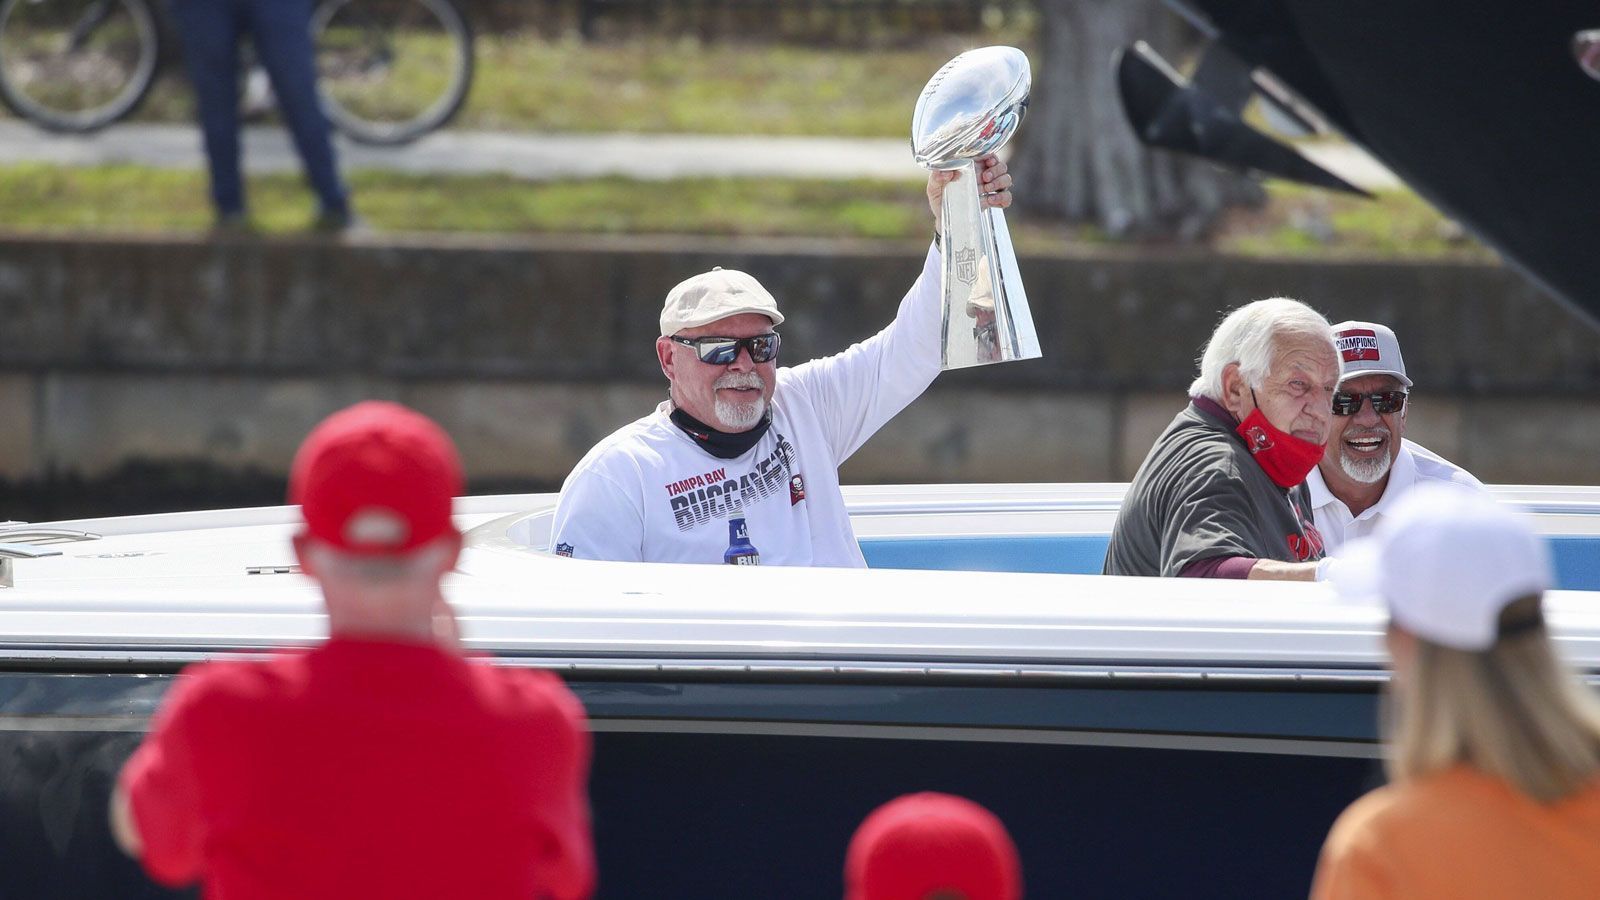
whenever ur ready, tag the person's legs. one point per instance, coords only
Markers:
(210, 36)
(281, 30)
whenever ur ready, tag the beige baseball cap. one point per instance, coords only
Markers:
(714, 295)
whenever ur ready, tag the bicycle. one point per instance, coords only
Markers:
(390, 71)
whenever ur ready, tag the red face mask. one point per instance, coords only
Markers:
(1286, 459)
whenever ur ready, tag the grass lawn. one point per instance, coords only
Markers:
(664, 85)
(681, 85)
(1295, 222)
(1303, 221)
(719, 88)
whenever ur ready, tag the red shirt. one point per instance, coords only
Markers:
(366, 769)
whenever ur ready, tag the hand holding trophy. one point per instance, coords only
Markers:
(969, 109)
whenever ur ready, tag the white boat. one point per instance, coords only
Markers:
(1171, 732)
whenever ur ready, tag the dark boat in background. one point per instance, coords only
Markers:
(1487, 109)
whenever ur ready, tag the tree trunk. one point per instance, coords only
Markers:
(1078, 159)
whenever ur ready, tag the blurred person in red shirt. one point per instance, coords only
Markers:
(381, 763)
(932, 846)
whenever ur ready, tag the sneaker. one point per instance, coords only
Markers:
(233, 224)
(346, 224)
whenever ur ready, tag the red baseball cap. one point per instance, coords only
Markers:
(376, 478)
(919, 844)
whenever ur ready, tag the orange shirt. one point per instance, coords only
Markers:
(1461, 834)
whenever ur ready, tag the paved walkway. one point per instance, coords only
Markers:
(548, 156)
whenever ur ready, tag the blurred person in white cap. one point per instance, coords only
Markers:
(1493, 746)
(381, 762)
(740, 463)
(1369, 463)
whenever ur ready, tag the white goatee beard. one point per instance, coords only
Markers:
(739, 416)
(1366, 471)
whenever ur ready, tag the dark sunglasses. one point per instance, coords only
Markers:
(720, 351)
(1383, 402)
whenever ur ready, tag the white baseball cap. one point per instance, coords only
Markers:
(714, 295)
(1445, 563)
(1367, 348)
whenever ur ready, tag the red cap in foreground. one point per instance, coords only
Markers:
(376, 478)
(917, 846)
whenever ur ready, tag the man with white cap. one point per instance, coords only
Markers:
(1369, 464)
(740, 463)
(1493, 746)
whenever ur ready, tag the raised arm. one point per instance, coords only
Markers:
(860, 389)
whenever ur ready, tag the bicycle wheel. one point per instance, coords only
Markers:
(392, 70)
(76, 65)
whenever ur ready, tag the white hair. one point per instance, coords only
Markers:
(1250, 335)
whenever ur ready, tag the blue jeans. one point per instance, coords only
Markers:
(281, 32)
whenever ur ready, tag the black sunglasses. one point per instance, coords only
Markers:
(720, 351)
(1383, 402)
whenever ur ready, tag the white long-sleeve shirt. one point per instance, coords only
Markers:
(648, 492)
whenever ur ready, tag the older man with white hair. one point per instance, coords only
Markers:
(740, 463)
(1370, 463)
(1222, 492)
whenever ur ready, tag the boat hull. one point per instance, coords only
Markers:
(741, 787)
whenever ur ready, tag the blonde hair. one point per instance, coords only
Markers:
(1512, 711)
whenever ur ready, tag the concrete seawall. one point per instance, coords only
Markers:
(225, 353)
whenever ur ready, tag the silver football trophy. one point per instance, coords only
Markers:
(970, 108)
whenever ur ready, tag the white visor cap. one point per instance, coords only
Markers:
(714, 295)
(1445, 563)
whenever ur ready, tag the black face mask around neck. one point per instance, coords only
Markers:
(721, 444)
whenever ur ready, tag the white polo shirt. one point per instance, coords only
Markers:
(1412, 465)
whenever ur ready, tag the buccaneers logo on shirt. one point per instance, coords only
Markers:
(1307, 545)
(797, 489)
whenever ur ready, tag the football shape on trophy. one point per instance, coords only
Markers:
(970, 108)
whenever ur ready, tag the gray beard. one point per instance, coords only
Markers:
(739, 416)
(1366, 471)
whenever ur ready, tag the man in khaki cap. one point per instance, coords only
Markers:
(741, 464)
